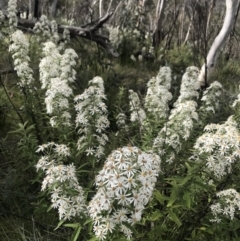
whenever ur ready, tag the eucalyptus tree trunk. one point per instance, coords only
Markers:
(218, 43)
(183, 23)
(188, 31)
(157, 35)
(35, 8)
(54, 8)
(100, 8)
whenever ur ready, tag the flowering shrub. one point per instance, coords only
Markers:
(158, 95)
(91, 119)
(12, 14)
(111, 192)
(230, 204)
(211, 97)
(46, 30)
(219, 146)
(124, 187)
(56, 74)
(20, 50)
(137, 113)
(181, 119)
(61, 181)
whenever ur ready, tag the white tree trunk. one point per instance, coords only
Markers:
(188, 32)
(100, 8)
(183, 23)
(231, 8)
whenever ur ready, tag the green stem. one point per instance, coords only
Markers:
(5, 90)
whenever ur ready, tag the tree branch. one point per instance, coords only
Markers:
(87, 31)
(218, 43)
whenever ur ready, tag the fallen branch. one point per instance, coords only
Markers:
(87, 31)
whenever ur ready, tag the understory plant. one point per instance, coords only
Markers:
(171, 176)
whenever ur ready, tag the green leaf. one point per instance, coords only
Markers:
(156, 215)
(83, 165)
(173, 196)
(188, 166)
(59, 224)
(87, 221)
(76, 233)
(50, 208)
(176, 206)
(71, 225)
(206, 230)
(161, 198)
(174, 218)
(203, 186)
(140, 235)
(185, 180)
(121, 239)
(84, 171)
(187, 198)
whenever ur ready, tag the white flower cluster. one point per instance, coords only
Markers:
(181, 119)
(229, 204)
(211, 96)
(115, 35)
(46, 30)
(125, 186)
(61, 181)
(190, 85)
(186, 112)
(19, 48)
(176, 130)
(158, 95)
(50, 64)
(66, 35)
(137, 113)
(12, 13)
(56, 73)
(219, 146)
(121, 121)
(54, 32)
(42, 27)
(91, 119)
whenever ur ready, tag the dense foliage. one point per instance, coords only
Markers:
(124, 156)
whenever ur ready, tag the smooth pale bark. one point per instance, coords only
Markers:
(54, 8)
(183, 23)
(208, 67)
(188, 32)
(157, 35)
(100, 8)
